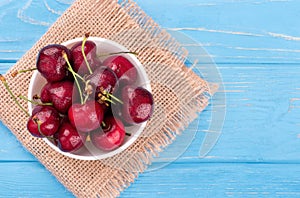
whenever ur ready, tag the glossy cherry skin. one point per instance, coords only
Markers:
(86, 117)
(45, 95)
(61, 94)
(68, 139)
(138, 104)
(79, 64)
(124, 69)
(49, 119)
(51, 64)
(109, 137)
(103, 78)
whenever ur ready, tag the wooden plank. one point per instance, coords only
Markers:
(29, 179)
(231, 31)
(11, 149)
(261, 123)
(22, 23)
(262, 108)
(234, 31)
(218, 180)
(4, 67)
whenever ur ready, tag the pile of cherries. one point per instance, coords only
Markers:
(86, 99)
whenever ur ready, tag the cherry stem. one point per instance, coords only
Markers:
(107, 95)
(34, 102)
(77, 75)
(114, 53)
(88, 90)
(86, 36)
(115, 98)
(103, 102)
(74, 74)
(38, 122)
(128, 134)
(15, 73)
(105, 126)
(106, 99)
(12, 95)
(86, 98)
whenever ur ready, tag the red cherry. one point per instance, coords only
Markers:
(68, 138)
(51, 64)
(79, 64)
(123, 68)
(109, 137)
(48, 118)
(45, 94)
(103, 78)
(138, 104)
(86, 117)
(60, 94)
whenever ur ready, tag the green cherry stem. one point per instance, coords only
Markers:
(88, 90)
(3, 80)
(35, 102)
(38, 122)
(74, 74)
(85, 99)
(77, 75)
(86, 36)
(107, 94)
(115, 98)
(103, 98)
(15, 73)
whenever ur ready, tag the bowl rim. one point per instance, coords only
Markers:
(133, 138)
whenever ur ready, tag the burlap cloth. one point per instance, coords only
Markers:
(179, 95)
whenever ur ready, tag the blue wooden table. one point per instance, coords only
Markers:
(255, 45)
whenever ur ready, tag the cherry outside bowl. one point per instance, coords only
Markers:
(89, 152)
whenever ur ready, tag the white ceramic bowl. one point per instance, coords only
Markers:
(89, 152)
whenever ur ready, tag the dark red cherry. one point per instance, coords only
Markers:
(51, 64)
(138, 104)
(123, 68)
(110, 136)
(45, 94)
(86, 117)
(103, 78)
(60, 94)
(68, 138)
(48, 118)
(79, 64)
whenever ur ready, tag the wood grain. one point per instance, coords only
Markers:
(256, 47)
(179, 180)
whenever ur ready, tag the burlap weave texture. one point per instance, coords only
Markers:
(179, 94)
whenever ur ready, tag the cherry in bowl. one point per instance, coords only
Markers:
(89, 151)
